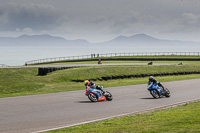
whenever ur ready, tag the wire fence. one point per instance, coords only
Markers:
(112, 55)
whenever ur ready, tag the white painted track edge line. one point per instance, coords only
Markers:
(121, 115)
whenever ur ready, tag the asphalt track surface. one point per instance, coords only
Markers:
(38, 113)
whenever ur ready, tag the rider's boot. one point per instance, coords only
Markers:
(162, 87)
(163, 90)
(103, 92)
(99, 88)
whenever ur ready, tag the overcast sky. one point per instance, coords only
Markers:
(101, 20)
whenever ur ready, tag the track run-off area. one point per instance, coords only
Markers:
(38, 113)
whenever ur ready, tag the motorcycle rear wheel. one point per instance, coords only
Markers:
(93, 97)
(154, 93)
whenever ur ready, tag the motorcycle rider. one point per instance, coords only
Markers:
(152, 79)
(91, 85)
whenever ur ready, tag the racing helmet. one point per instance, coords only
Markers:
(150, 77)
(86, 82)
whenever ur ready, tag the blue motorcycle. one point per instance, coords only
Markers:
(157, 92)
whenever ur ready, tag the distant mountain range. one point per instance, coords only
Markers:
(143, 39)
(42, 40)
(48, 40)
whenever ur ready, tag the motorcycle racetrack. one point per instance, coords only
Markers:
(38, 113)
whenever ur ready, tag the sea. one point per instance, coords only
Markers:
(18, 55)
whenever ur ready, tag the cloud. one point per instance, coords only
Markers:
(27, 30)
(103, 19)
(191, 18)
(37, 17)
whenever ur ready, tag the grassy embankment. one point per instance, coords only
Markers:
(181, 119)
(24, 81)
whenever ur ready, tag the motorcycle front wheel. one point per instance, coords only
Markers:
(167, 93)
(154, 93)
(108, 96)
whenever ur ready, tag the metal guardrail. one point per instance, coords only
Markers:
(150, 54)
(113, 55)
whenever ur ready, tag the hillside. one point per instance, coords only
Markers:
(42, 40)
(48, 40)
(145, 40)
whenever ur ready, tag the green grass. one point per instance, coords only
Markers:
(181, 119)
(101, 71)
(19, 81)
(24, 81)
